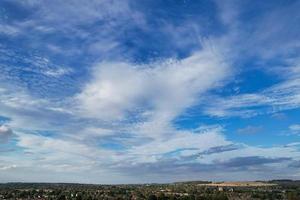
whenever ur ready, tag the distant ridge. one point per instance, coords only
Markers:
(208, 183)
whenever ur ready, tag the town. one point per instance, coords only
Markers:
(195, 190)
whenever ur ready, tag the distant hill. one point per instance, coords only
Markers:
(286, 182)
(193, 182)
(240, 184)
(283, 182)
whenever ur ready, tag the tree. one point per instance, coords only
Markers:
(152, 197)
(292, 196)
(161, 196)
(61, 197)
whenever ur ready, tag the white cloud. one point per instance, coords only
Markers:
(7, 167)
(163, 89)
(295, 128)
(29, 112)
(128, 103)
(250, 130)
(8, 30)
(250, 151)
(5, 133)
(269, 30)
(180, 140)
(54, 153)
(281, 96)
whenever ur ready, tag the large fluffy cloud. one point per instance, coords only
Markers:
(164, 89)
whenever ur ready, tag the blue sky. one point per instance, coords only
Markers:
(149, 91)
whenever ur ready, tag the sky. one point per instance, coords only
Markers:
(131, 91)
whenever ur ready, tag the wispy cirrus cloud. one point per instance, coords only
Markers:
(295, 128)
(250, 130)
(284, 95)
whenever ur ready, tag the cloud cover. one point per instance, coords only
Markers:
(108, 90)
